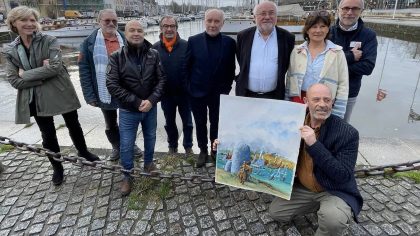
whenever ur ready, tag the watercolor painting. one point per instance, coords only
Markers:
(259, 144)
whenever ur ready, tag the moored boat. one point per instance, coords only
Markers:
(68, 29)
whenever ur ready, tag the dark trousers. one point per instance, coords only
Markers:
(169, 105)
(49, 135)
(200, 107)
(111, 127)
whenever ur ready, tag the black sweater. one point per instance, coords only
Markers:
(334, 155)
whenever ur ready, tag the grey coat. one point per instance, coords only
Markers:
(54, 92)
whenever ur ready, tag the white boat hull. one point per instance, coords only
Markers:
(71, 32)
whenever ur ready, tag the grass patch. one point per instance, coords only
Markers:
(147, 189)
(6, 148)
(28, 125)
(61, 126)
(414, 175)
(191, 160)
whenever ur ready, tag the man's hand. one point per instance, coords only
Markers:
(94, 104)
(46, 62)
(308, 135)
(21, 72)
(145, 106)
(357, 53)
(214, 145)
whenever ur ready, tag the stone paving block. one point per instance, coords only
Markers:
(125, 227)
(81, 232)
(224, 225)
(140, 228)
(175, 229)
(21, 226)
(189, 220)
(9, 222)
(35, 229)
(192, 231)
(51, 229)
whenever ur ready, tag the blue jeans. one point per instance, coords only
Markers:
(129, 124)
(169, 105)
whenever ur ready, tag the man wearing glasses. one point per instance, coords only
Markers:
(263, 55)
(93, 60)
(172, 50)
(359, 44)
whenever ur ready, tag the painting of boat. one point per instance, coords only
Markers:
(258, 147)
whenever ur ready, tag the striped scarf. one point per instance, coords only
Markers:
(100, 59)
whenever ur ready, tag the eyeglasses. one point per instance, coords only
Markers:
(353, 9)
(264, 14)
(169, 26)
(107, 21)
(319, 13)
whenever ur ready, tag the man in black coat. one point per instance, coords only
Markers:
(135, 78)
(263, 54)
(359, 45)
(172, 50)
(211, 70)
(325, 181)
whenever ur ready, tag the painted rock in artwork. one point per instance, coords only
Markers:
(228, 166)
(241, 154)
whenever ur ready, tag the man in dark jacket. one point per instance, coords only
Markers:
(211, 70)
(325, 180)
(359, 45)
(172, 50)
(263, 55)
(135, 78)
(93, 59)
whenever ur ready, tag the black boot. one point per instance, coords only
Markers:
(113, 136)
(58, 174)
(202, 157)
(76, 135)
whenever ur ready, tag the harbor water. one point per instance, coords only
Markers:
(397, 71)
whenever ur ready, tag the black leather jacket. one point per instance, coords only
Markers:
(133, 76)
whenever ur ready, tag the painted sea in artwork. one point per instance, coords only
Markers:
(259, 144)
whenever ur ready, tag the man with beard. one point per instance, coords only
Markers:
(136, 79)
(172, 50)
(263, 54)
(93, 59)
(324, 181)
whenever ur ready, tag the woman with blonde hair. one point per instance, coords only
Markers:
(34, 67)
(318, 60)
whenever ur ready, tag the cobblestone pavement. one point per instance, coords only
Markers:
(89, 203)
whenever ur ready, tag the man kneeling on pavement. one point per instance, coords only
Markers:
(325, 181)
(136, 79)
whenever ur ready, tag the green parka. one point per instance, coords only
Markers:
(54, 92)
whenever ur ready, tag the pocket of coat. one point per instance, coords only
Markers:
(59, 84)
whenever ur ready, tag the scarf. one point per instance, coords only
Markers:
(26, 65)
(100, 59)
(169, 44)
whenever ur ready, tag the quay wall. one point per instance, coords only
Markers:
(403, 32)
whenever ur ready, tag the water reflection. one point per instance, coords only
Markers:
(397, 71)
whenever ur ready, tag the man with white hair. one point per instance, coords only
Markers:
(211, 71)
(93, 59)
(325, 181)
(263, 55)
(359, 45)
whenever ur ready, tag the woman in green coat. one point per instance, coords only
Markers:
(34, 67)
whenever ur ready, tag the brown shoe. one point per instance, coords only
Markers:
(150, 167)
(126, 187)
